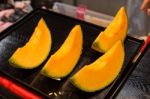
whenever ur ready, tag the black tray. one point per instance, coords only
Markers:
(60, 25)
(138, 82)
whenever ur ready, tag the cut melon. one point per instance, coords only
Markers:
(102, 72)
(36, 49)
(61, 63)
(115, 31)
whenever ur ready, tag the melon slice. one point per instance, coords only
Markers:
(61, 63)
(102, 72)
(115, 31)
(36, 49)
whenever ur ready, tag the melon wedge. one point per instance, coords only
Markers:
(115, 31)
(102, 72)
(36, 49)
(61, 63)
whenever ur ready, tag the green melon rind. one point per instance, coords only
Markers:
(96, 46)
(73, 79)
(45, 73)
(14, 63)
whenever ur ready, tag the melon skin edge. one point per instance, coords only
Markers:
(97, 46)
(64, 59)
(74, 81)
(12, 61)
(45, 73)
(100, 45)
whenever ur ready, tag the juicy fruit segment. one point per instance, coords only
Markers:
(102, 72)
(115, 31)
(36, 49)
(61, 63)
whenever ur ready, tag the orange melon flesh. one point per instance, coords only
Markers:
(61, 63)
(102, 72)
(115, 31)
(36, 49)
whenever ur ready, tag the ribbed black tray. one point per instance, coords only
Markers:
(60, 25)
(137, 85)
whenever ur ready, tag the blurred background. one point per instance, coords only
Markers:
(99, 12)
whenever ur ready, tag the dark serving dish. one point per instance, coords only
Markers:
(137, 84)
(60, 25)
